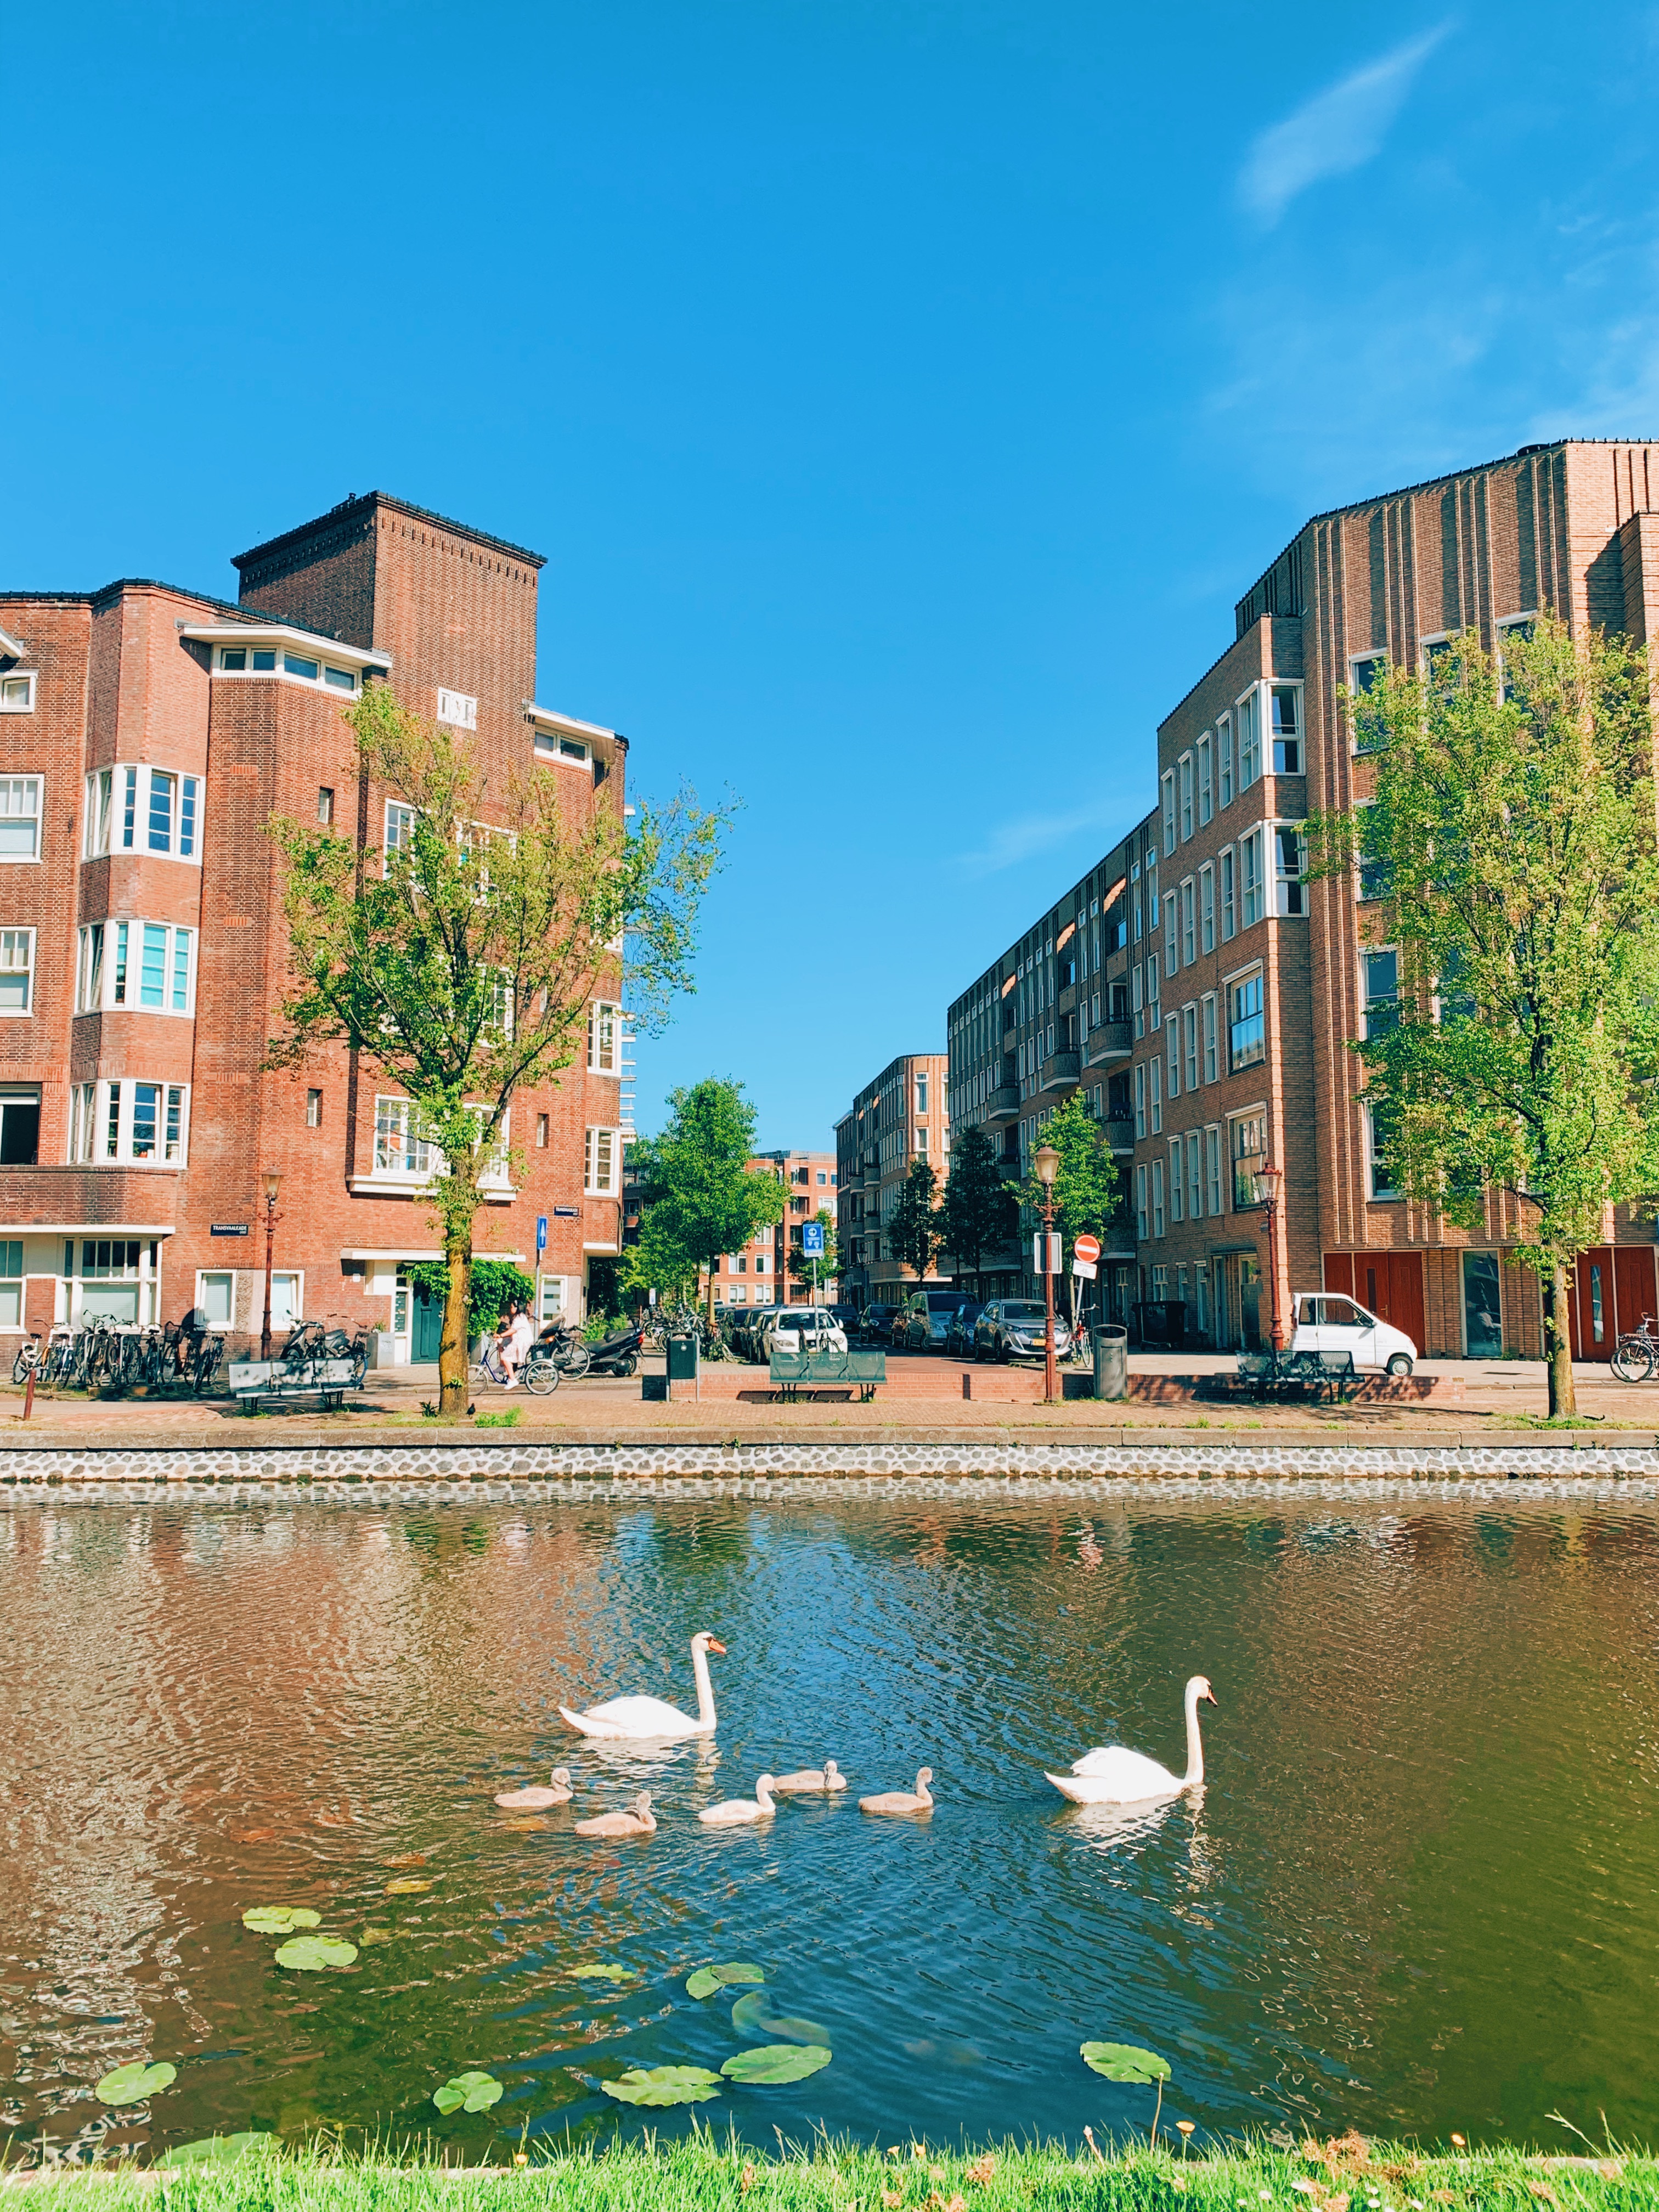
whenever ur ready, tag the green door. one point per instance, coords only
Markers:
(428, 1329)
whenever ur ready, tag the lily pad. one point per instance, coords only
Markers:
(279, 1920)
(405, 1886)
(708, 1979)
(598, 1973)
(775, 2063)
(471, 2092)
(309, 1955)
(751, 2015)
(1124, 2062)
(215, 2150)
(132, 2083)
(663, 2085)
(372, 1934)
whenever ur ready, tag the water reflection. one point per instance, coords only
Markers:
(1417, 1891)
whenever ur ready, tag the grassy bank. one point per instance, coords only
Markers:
(706, 2175)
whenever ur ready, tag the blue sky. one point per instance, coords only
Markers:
(902, 392)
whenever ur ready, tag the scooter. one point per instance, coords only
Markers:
(616, 1355)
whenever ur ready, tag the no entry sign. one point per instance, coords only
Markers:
(1087, 1248)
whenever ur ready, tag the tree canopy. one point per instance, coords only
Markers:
(979, 1213)
(1086, 1189)
(915, 1229)
(700, 1195)
(1509, 888)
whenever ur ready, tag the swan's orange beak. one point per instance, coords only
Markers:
(714, 1644)
(1211, 1698)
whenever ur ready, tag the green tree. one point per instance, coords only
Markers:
(700, 1195)
(1507, 863)
(979, 1214)
(828, 1263)
(461, 962)
(916, 1228)
(492, 1286)
(1086, 1191)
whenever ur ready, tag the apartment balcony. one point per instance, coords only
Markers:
(1060, 1075)
(1110, 1041)
(1003, 1104)
(1121, 1135)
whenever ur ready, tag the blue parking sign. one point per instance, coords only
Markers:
(811, 1240)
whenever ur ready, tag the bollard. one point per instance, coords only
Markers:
(1111, 1361)
(28, 1392)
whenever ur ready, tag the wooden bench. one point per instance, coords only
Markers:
(827, 1375)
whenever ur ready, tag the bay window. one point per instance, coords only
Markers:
(1250, 888)
(129, 1124)
(148, 966)
(136, 809)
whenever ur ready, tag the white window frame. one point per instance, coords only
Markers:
(146, 1273)
(1171, 935)
(1256, 974)
(1137, 1001)
(423, 1158)
(1373, 1196)
(1248, 714)
(105, 1111)
(1228, 898)
(1372, 656)
(1177, 1184)
(1252, 886)
(1224, 752)
(1205, 750)
(1290, 890)
(457, 710)
(1168, 788)
(12, 942)
(1172, 1055)
(1141, 1204)
(99, 973)
(1211, 1063)
(1189, 1042)
(10, 704)
(1367, 1000)
(1155, 1081)
(1213, 1165)
(1292, 685)
(1258, 1112)
(296, 1276)
(1207, 907)
(1195, 1176)
(1157, 1198)
(126, 790)
(13, 788)
(205, 1275)
(557, 748)
(291, 662)
(404, 838)
(1140, 1098)
(1189, 922)
(1184, 786)
(593, 1152)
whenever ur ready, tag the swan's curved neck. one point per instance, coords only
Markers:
(1195, 1773)
(924, 1795)
(705, 1687)
(763, 1796)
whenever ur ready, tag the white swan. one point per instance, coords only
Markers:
(639, 1821)
(807, 1781)
(652, 1718)
(1113, 1776)
(556, 1792)
(900, 1802)
(738, 1812)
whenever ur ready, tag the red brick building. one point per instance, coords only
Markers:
(1218, 994)
(147, 734)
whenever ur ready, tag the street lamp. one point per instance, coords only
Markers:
(1046, 1160)
(1269, 1189)
(272, 1183)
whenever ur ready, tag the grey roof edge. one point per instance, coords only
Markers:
(357, 503)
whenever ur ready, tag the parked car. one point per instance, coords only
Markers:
(1013, 1328)
(750, 1328)
(849, 1318)
(876, 1324)
(960, 1337)
(1325, 1322)
(803, 1328)
(924, 1321)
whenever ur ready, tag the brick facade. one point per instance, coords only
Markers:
(902, 1115)
(164, 689)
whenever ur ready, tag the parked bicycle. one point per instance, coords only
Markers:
(1637, 1353)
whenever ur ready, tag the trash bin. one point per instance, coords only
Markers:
(682, 1359)
(1111, 1360)
(653, 1389)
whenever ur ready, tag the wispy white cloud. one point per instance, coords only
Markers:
(1027, 835)
(1337, 130)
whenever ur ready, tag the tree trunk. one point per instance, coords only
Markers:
(1558, 1343)
(451, 1346)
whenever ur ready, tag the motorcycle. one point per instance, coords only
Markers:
(616, 1355)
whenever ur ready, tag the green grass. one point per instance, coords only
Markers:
(709, 2174)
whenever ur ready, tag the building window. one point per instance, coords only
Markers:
(1154, 1079)
(1206, 778)
(1247, 1030)
(1228, 914)
(1290, 891)
(1189, 922)
(541, 1133)
(263, 660)
(398, 1151)
(1380, 980)
(16, 971)
(1157, 1198)
(1136, 1000)
(1249, 1153)
(287, 1299)
(600, 1156)
(1287, 729)
(399, 828)
(1189, 1043)
(16, 695)
(921, 1094)
(1213, 1165)
(1172, 1048)
(19, 817)
(1364, 672)
(549, 1300)
(1171, 933)
(1140, 1098)
(324, 805)
(1380, 1177)
(129, 1123)
(1249, 740)
(216, 1296)
(148, 810)
(1249, 878)
(1184, 772)
(602, 1020)
(1168, 789)
(151, 966)
(1210, 1069)
(11, 1282)
(1206, 908)
(314, 1109)
(458, 710)
(117, 1277)
(1140, 1205)
(1224, 758)
(1153, 987)
(1375, 876)
(1177, 1206)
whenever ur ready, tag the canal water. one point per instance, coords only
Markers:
(1419, 1892)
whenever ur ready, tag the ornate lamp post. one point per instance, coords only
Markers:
(272, 1183)
(1269, 1188)
(1046, 1160)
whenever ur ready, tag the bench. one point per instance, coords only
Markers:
(1288, 1374)
(827, 1374)
(254, 1383)
(1329, 1372)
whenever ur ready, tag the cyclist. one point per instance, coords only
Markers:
(516, 1340)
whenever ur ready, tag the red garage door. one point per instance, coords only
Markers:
(1388, 1283)
(1612, 1287)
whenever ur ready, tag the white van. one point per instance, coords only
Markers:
(1328, 1322)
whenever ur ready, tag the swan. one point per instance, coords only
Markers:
(1113, 1776)
(737, 1812)
(557, 1792)
(902, 1801)
(807, 1780)
(652, 1716)
(641, 1821)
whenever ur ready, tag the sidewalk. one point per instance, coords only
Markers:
(922, 1401)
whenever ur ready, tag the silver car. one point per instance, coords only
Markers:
(1013, 1328)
